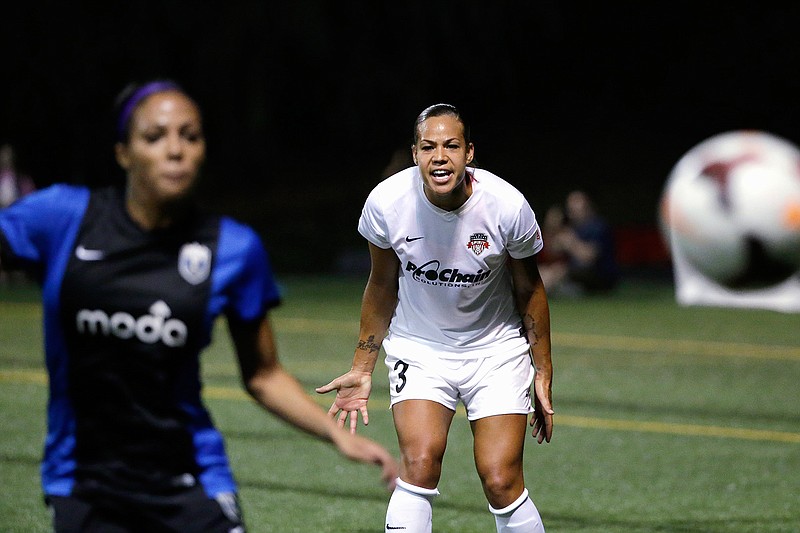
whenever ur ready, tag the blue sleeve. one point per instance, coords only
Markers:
(244, 270)
(34, 229)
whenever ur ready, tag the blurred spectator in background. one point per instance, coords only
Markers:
(581, 256)
(13, 185)
(553, 259)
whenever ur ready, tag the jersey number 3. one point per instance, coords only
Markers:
(401, 375)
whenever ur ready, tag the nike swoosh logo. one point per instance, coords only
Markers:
(412, 239)
(85, 254)
(398, 527)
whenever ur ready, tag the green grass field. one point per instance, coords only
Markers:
(668, 419)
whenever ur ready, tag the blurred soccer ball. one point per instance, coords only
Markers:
(731, 207)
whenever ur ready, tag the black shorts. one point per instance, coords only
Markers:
(188, 510)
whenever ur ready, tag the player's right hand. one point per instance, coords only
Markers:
(352, 392)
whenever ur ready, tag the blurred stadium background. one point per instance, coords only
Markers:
(307, 102)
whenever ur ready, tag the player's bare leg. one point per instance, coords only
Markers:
(499, 444)
(422, 428)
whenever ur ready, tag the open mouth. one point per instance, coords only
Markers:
(440, 176)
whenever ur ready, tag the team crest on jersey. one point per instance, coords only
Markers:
(194, 262)
(478, 242)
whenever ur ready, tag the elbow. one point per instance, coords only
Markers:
(255, 385)
(263, 382)
(251, 388)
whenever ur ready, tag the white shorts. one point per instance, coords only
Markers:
(487, 386)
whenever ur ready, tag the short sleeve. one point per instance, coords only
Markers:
(525, 237)
(244, 269)
(36, 226)
(372, 223)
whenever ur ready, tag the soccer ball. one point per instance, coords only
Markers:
(731, 208)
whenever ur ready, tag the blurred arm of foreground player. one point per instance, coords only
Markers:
(280, 393)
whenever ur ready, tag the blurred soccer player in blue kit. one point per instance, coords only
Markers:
(455, 282)
(132, 280)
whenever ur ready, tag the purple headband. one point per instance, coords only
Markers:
(138, 95)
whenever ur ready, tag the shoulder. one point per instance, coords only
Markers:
(54, 203)
(44, 222)
(494, 186)
(238, 237)
(61, 194)
(395, 194)
(397, 184)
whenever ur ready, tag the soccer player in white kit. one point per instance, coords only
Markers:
(455, 298)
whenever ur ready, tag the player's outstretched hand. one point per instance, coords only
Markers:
(542, 419)
(358, 448)
(352, 392)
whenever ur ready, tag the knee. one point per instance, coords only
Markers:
(422, 469)
(501, 486)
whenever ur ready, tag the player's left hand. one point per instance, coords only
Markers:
(542, 419)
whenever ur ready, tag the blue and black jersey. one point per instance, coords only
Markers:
(126, 314)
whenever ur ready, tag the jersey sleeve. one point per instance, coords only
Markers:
(35, 227)
(372, 223)
(245, 266)
(525, 237)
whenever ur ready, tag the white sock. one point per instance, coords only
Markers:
(522, 516)
(409, 509)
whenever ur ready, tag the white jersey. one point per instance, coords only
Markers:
(455, 297)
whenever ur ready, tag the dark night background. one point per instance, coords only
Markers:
(306, 102)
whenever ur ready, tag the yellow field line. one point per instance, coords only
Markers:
(676, 346)
(227, 393)
(585, 341)
(677, 429)
(590, 341)
(23, 376)
(312, 325)
(235, 394)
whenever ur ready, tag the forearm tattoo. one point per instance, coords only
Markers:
(530, 326)
(368, 345)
